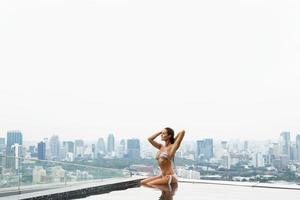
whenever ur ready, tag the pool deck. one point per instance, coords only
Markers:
(100, 187)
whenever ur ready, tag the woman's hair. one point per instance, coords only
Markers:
(171, 133)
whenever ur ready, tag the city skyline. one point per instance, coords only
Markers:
(104, 136)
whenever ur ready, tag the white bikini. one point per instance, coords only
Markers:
(165, 155)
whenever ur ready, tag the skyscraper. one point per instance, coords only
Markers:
(285, 144)
(2, 144)
(93, 151)
(42, 150)
(133, 148)
(13, 137)
(205, 149)
(298, 147)
(110, 143)
(16, 151)
(69, 146)
(224, 144)
(79, 148)
(101, 146)
(54, 147)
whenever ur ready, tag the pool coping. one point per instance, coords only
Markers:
(80, 191)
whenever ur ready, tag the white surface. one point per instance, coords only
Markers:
(198, 191)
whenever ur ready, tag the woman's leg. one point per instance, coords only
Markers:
(147, 180)
(166, 180)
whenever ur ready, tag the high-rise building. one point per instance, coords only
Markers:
(54, 147)
(16, 150)
(69, 146)
(101, 146)
(285, 144)
(298, 147)
(42, 150)
(205, 149)
(13, 137)
(133, 148)
(110, 143)
(79, 148)
(93, 151)
(2, 143)
(121, 149)
(259, 160)
(224, 144)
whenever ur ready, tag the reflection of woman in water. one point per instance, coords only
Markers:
(167, 191)
(165, 157)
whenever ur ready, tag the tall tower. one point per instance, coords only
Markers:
(205, 149)
(79, 148)
(111, 143)
(42, 150)
(101, 146)
(13, 137)
(298, 147)
(133, 148)
(54, 147)
(285, 144)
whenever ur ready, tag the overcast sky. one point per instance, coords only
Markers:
(86, 68)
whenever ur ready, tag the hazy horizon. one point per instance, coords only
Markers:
(86, 68)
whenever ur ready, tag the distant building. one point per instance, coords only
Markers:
(13, 137)
(189, 174)
(285, 144)
(16, 150)
(79, 148)
(205, 149)
(121, 149)
(226, 160)
(38, 174)
(110, 143)
(93, 151)
(42, 150)
(298, 147)
(2, 144)
(101, 147)
(133, 148)
(54, 147)
(224, 144)
(57, 174)
(69, 146)
(259, 160)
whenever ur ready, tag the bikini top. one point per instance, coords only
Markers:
(164, 154)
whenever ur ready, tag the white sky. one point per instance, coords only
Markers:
(86, 68)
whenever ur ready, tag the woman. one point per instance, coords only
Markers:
(165, 157)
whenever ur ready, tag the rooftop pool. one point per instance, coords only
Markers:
(202, 191)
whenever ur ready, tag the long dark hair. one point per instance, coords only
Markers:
(171, 133)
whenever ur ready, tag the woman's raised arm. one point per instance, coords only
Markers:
(151, 139)
(178, 140)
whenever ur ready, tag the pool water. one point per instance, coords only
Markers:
(199, 191)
